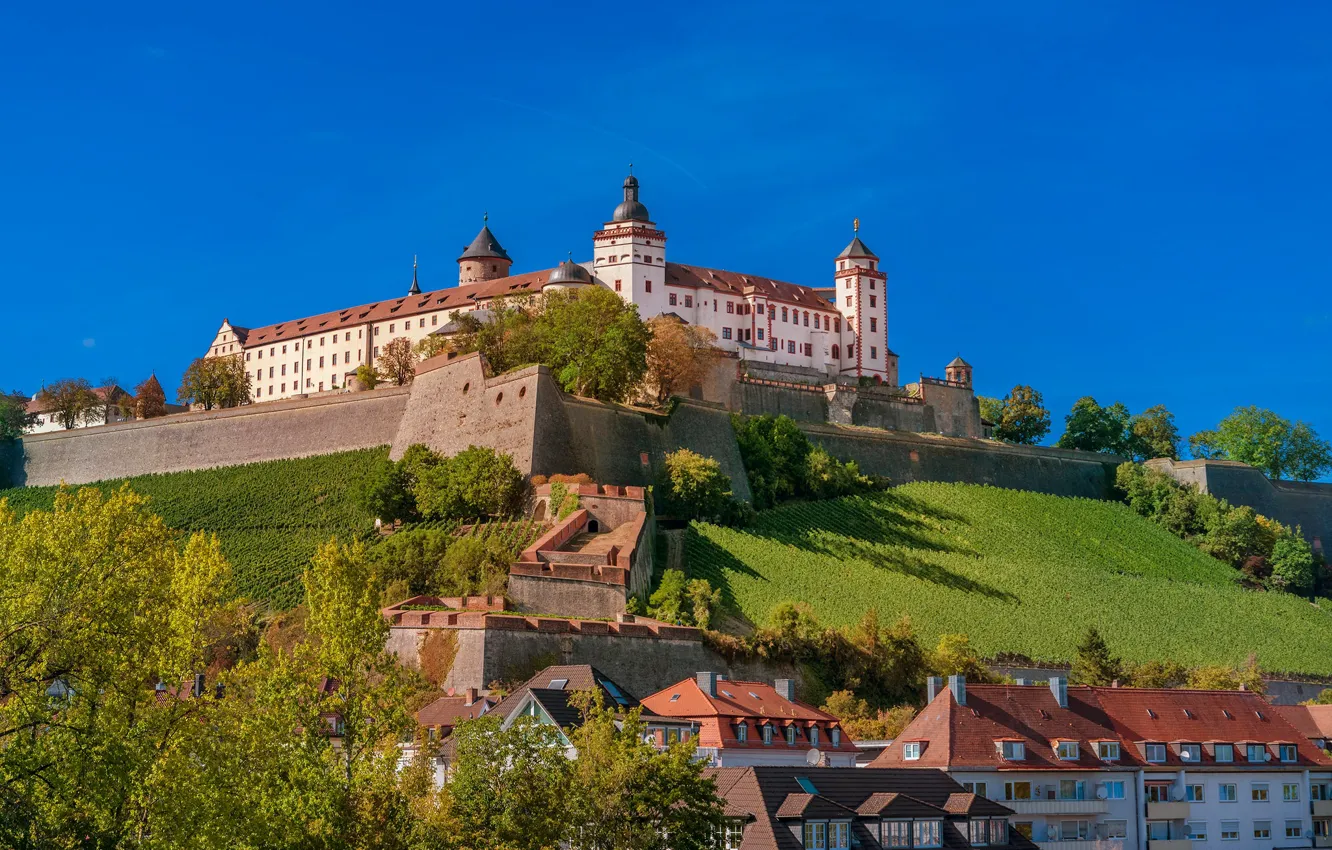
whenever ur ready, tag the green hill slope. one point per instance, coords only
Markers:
(269, 517)
(1018, 572)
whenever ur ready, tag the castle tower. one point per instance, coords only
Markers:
(862, 299)
(484, 259)
(958, 371)
(629, 254)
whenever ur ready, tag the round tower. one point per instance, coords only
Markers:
(484, 259)
(568, 275)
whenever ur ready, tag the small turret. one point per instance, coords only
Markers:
(416, 286)
(958, 371)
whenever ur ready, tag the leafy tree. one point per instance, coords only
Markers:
(98, 602)
(149, 399)
(387, 493)
(826, 477)
(1219, 678)
(955, 657)
(15, 419)
(473, 565)
(1292, 564)
(678, 356)
(703, 601)
(367, 377)
(412, 557)
(1022, 417)
(1156, 674)
(1153, 434)
(476, 482)
(594, 342)
(70, 401)
(1324, 698)
(510, 788)
(991, 409)
(397, 361)
(628, 795)
(215, 382)
(862, 723)
(1093, 428)
(1264, 440)
(695, 486)
(688, 602)
(774, 451)
(1093, 664)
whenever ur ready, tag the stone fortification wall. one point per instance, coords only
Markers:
(907, 457)
(651, 658)
(1293, 503)
(271, 431)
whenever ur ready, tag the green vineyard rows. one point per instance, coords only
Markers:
(1018, 572)
(270, 517)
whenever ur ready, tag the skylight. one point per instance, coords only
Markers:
(674, 697)
(754, 695)
(615, 692)
(806, 785)
(558, 684)
(728, 694)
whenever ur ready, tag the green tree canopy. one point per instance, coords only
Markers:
(215, 382)
(1093, 428)
(70, 401)
(1021, 417)
(1094, 664)
(1262, 439)
(1154, 434)
(15, 419)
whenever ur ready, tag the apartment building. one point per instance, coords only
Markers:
(1119, 768)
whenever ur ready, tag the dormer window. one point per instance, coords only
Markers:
(813, 736)
(790, 736)
(1287, 753)
(911, 750)
(1156, 753)
(1224, 753)
(836, 736)
(767, 734)
(742, 732)
(1190, 752)
(1012, 750)
(1107, 750)
(1067, 750)
(1256, 752)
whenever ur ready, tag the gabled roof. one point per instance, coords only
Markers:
(734, 699)
(557, 683)
(736, 284)
(1311, 721)
(966, 735)
(857, 794)
(451, 710)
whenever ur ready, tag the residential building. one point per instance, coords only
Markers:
(839, 808)
(1315, 723)
(1125, 767)
(751, 723)
(106, 412)
(839, 328)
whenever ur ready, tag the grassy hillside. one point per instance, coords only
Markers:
(270, 517)
(1019, 572)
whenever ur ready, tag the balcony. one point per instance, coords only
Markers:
(1323, 841)
(1169, 844)
(1167, 811)
(1322, 808)
(1083, 844)
(1058, 807)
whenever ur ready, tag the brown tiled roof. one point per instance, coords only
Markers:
(966, 735)
(1311, 721)
(447, 711)
(469, 295)
(766, 794)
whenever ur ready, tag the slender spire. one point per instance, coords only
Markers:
(416, 286)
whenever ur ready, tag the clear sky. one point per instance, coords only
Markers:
(1127, 200)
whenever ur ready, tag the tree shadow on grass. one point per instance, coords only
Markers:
(881, 530)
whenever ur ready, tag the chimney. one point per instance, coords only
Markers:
(785, 689)
(958, 685)
(933, 685)
(469, 696)
(708, 682)
(198, 689)
(1059, 687)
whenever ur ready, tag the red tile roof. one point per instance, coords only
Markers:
(470, 295)
(966, 735)
(448, 711)
(748, 702)
(1311, 721)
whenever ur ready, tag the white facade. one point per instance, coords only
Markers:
(840, 329)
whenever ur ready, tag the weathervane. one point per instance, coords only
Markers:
(855, 225)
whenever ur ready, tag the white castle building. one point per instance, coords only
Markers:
(840, 329)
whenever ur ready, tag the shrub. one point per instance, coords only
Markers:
(695, 486)
(386, 494)
(412, 556)
(1292, 564)
(367, 376)
(683, 602)
(476, 482)
(782, 464)
(474, 565)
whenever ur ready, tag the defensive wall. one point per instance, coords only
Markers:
(452, 404)
(1294, 503)
(642, 655)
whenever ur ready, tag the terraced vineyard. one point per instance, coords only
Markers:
(269, 517)
(1018, 572)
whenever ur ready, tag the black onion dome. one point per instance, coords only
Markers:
(630, 209)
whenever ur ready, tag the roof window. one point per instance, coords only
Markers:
(558, 684)
(806, 785)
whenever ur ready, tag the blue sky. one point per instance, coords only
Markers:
(1126, 200)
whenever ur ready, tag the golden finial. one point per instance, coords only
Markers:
(855, 225)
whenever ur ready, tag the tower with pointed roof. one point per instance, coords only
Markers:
(629, 254)
(958, 371)
(484, 259)
(861, 296)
